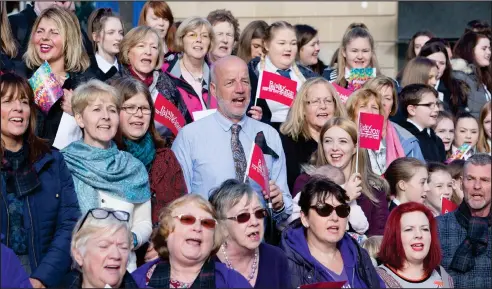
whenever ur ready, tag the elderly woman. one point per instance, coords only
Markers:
(187, 236)
(39, 207)
(316, 102)
(141, 57)
(410, 251)
(101, 245)
(103, 175)
(243, 250)
(317, 247)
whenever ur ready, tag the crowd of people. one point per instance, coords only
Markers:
(99, 190)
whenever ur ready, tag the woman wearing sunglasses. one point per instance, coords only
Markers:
(101, 245)
(243, 216)
(316, 245)
(187, 236)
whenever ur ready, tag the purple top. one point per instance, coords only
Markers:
(13, 274)
(224, 277)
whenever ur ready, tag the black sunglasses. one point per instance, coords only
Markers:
(324, 210)
(100, 214)
(244, 217)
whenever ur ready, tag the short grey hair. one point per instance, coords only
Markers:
(333, 173)
(478, 159)
(229, 194)
(90, 91)
(93, 227)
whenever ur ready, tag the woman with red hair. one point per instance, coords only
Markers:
(410, 251)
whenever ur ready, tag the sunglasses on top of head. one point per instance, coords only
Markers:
(325, 210)
(103, 213)
(189, 220)
(244, 217)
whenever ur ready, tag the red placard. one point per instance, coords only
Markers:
(338, 284)
(447, 206)
(343, 93)
(168, 115)
(370, 130)
(277, 88)
(258, 170)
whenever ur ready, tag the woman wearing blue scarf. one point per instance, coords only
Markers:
(140, 138)
(103, 175)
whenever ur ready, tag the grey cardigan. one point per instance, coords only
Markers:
(477, 96)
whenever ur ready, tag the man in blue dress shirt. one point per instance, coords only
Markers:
(216, 148)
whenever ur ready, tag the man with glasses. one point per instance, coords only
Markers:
(419, 103)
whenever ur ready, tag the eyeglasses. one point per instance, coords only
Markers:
(317, 102)
(244, 217)
(208, 223)
(102, 213)
(430, 105)
(324, 210)
(133, 109)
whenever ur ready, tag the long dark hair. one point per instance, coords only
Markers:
(455, 86)
(465, 48)
(411, 46)
(13, 86)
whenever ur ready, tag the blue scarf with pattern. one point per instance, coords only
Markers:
(111, 171)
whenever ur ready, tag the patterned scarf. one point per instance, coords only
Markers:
(143, 149)
(114, 172)
(147, 81)
(476, 240)
(161, 275)
(20, 176)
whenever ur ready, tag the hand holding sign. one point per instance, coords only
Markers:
(357, 77)
(277, 88)
(47, 90)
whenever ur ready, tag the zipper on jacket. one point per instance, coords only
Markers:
(32, 232)
(353, 276)
(8, 220)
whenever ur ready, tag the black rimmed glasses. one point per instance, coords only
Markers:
(430, 105)
(103, 213)
(244, 217)
(324, 210)
(132, 109)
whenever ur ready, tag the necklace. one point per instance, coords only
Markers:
(253, 266)
(197, 79)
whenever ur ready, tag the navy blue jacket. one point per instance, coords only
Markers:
(50, 214)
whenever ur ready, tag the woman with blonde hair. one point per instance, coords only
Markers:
(398, 142)
(316, 102)
(420, 70)
(8, 44)
(339, 148)
(484, 144)
(280, 59)
(57, 39)
(250, 44)
(158, 15)
(356, 50)
(188, 235)
(141, 57)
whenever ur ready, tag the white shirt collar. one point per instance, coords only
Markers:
(269, 66)
(104, 65)
(418, 126)
(396, 201)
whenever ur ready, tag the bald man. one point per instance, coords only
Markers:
(217, 147)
